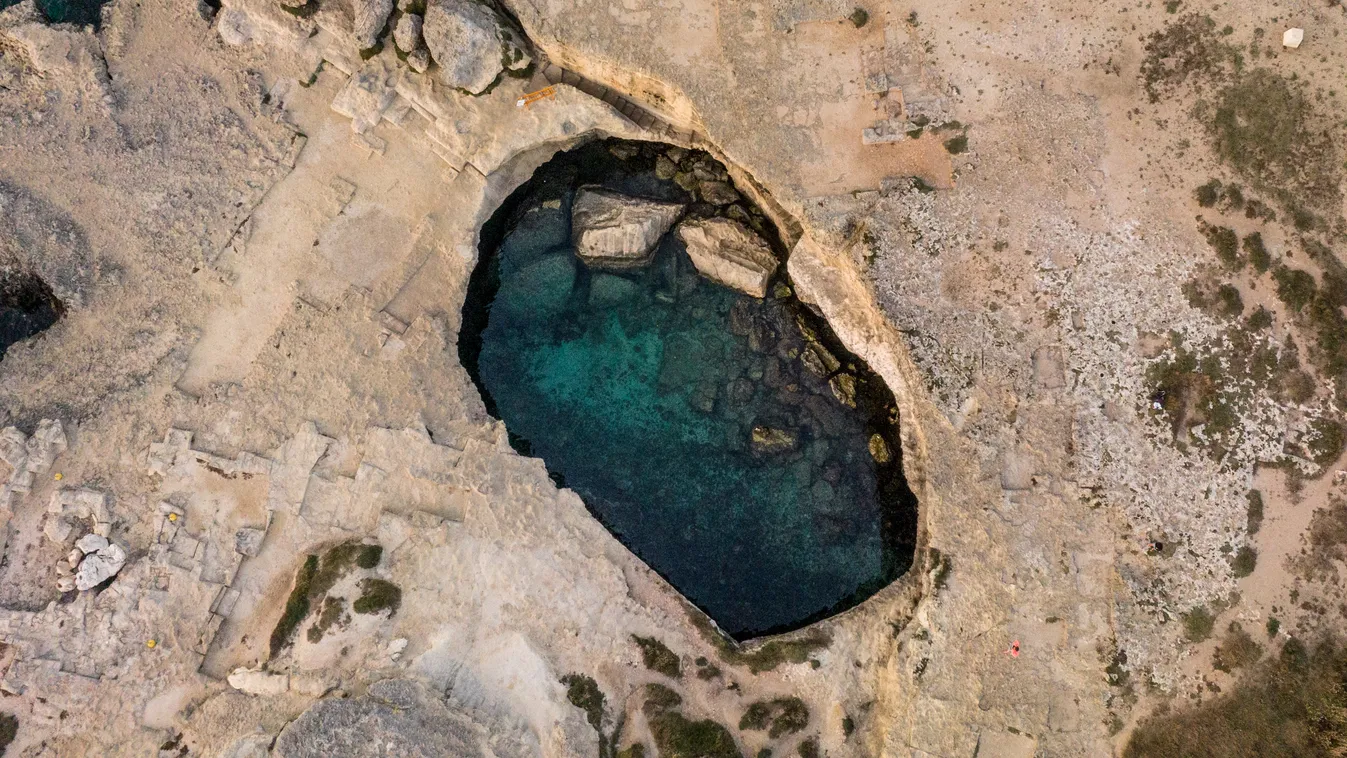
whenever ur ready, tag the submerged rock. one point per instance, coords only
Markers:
(879, 449)
(618, 231)
(718, 193)
(767, 439)
(464, 38)
(726, 252)
(539, 290)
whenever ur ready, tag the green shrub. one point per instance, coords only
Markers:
(1228, 301)
(584, 693)
(296, 606)
(1198, 623)
(634, 750)
(658, 657)
(859, 17)
(659, 698)
(1246, 558)
(808, 748)
(1328, 441)
(677, 737)
(1237, 650)
(1185, 49)
(1226, 244)
(332, 611)
(1296, 288)
(377, 595)
(765, 658)
(369, 556)
(1208, 194)
(1255, 511)
(1257, 252)
(957, 144)
(784, 715)
(1260, 319)
(9, 730)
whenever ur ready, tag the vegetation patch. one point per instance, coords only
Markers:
(658, 657)
(1226, 244)
(1257, 252)
(1295, 288)
(1255, 511)
(377, 595)
(784, 715)
(677, 737)
(333, 609)
(634, 750)
(296, 606)
(1246, 558)
(1186, 49)
(808, 748)
(1262, 125)
(1290, 706)
(584, 693)
(1327, 538)
(1236, 650)
(957, 144)
(859, 17)
(1198, 623)
(9, 730)
(659, 699)
(1327, 442)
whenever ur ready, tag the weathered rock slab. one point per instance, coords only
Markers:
(465, 39)
(617, 231)
(726, 252)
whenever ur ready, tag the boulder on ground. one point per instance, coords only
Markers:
(616, 231)
(726, 252)
(371, 16)
(100, 566)
(407, 33)
(258, 682)
(471, 44)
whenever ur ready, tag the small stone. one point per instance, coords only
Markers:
(407, 33)
(65, 583)
(1293, 37)
(718, 193)
(879, 449)
(90, 543)
(74, 557)
(258, 682)
(665, 168)
(419, 60)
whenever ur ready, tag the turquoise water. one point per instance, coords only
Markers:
(641, 392)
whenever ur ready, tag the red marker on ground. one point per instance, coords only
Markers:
(1014, 651)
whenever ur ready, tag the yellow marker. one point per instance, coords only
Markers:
(150, 644)
(59, 477)
(172, 517)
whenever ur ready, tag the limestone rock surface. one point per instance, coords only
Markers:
(726, 252)
(399, 716)
(618, 231)
(464, 38)
(370, 18)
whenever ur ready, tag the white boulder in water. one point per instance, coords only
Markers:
(610, 230)
(726, 252)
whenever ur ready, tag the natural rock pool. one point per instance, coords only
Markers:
(27, 307)
(727, 439)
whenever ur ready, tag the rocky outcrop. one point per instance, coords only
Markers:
(617, 231)
(726, 252)
(102, 560)
(471, 44)
(399, 714)
(370, 18)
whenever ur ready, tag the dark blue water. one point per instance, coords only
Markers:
(79, 12)
(642, 391)
(27, 307)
